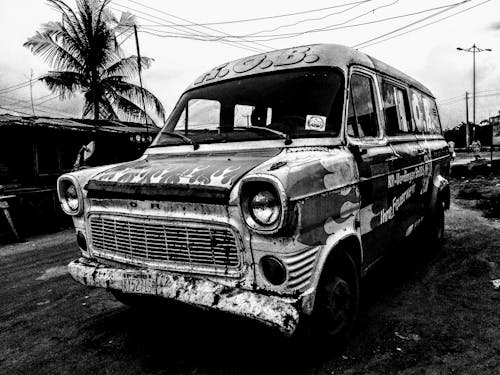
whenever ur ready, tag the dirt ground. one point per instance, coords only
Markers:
(422, 313)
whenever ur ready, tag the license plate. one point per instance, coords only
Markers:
(139, 283)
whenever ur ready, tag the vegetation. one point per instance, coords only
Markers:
(84, 49)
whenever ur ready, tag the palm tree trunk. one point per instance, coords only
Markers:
(96, 108)
(96, 94)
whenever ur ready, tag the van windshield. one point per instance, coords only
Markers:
(295, 104)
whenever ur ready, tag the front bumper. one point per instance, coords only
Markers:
(277, 312)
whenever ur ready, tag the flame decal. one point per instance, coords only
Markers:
(216, 170)
(223, 178)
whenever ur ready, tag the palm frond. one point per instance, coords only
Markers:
(132, 111)
(70, 19)
(43, 44)
(126, 22)
(61, 34)
(127, 67)
(64, 83)
(135, 94)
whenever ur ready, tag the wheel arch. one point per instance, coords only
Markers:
(440, 191)
(349, 243)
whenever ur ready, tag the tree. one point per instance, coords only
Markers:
(84, 50)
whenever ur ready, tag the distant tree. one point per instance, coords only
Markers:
(84, 50)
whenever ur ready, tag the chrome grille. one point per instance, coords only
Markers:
(165, 241)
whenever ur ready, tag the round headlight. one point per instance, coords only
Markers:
(265, 208)
(71, 196)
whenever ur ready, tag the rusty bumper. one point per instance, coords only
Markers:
(274, 311)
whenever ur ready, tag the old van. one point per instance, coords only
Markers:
(276, 183)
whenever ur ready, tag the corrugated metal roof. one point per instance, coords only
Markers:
(83, 125)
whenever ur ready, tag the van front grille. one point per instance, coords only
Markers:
(168, 242)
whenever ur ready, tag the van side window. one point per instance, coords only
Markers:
(433, 124)
(362, 117)
(396, 110)
(425, 113)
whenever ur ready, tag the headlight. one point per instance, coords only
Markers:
(70, 195)
(261, 205)
(265, 208)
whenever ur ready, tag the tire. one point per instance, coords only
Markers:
(434, 226)
(337, 300)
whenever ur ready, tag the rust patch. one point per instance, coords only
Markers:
(273, 311)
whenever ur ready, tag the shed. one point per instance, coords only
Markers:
(34, 151)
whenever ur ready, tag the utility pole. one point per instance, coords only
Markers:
(467, 141)
(31, 92)
(140, 77)
(474, 49)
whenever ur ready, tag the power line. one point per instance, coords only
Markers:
(234, 43)
(13, 110)
(456, 101)
(452, 98)
(448, 8)
(38, 107)
(331, 27)
(452, 102)
(272, 17)
(15, 87)
(187, 35)
(428, 24)
(461, 96)
(27, 100)
(328, 15)
(186, 20)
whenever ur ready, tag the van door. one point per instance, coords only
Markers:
(366, 140)
(406, 167)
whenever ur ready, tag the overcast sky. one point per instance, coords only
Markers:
(428, 54)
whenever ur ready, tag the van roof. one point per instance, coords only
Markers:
(331, 55)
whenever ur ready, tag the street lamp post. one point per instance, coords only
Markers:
(472, 49)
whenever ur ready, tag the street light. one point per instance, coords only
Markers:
(472, 49)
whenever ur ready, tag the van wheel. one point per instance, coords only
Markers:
(434, 226)
(337, 299)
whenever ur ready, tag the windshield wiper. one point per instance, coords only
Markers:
(285, 136)
(186, 140)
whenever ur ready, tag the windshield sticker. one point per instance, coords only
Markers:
(316, 123)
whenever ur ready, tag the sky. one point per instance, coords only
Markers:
(429, 53)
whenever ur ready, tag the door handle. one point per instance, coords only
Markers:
(421, 152)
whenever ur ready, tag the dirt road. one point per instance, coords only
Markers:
(422, 314)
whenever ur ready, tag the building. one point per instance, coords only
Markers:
(34, 151)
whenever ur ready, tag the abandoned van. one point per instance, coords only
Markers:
(276, 183)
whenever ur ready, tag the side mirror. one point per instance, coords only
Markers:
(89, 150)
(86, 151)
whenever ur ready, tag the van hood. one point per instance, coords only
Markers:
(207, 177)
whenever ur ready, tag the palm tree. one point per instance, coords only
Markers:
(84, 50)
